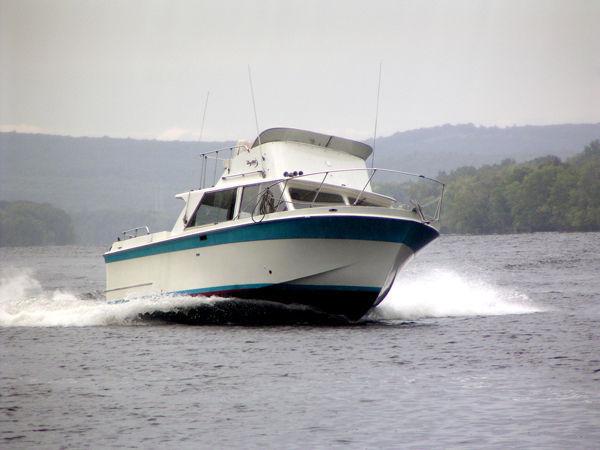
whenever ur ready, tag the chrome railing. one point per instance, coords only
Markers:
(213, 155)
(132, 233)
(418, 193)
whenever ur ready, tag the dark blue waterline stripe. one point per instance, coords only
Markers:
(413, 234)
(291, 287)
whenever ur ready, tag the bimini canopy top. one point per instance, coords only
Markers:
(321, 140)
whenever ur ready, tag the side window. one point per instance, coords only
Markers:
(303, 198)
(214, 207)
(248, 205)
(249, 195)
(363, 202)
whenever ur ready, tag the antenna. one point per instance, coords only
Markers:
(253, 104)
(204, 116)
(376, 115)
(204, 162)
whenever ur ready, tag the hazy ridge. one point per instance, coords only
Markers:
(428, 151)
(109, 184)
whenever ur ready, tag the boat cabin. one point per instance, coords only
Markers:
(284, 170)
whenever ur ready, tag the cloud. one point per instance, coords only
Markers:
(22, 128)
(178, 134)
(187, 134)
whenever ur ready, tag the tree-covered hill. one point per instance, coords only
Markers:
(545, 194)
(29, 223)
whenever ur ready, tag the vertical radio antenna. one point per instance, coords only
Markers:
(376, 115)
(204, 162)
(253, 104)
(204, 116)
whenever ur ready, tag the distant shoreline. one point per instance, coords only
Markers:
(107, 185)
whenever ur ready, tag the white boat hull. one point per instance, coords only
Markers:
(337, 275)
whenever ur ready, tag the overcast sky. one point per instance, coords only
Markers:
(143, 68)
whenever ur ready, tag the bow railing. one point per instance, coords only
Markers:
(394, 189)
(133, 233)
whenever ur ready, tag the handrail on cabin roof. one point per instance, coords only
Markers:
(233, 147)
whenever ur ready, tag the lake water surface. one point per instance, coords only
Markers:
(484, 342)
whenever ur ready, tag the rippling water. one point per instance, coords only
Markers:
(487, 341)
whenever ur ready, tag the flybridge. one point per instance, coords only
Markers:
(351, 147)
(318, 164)
(278, 152)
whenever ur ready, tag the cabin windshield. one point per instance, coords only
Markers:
(266, 198)
(268, 202)
(214, 207)
(220, 206)
(309, 195)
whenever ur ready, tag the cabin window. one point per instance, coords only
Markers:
(249, 201)
(214, 207)
(302, 198)
(361, 202)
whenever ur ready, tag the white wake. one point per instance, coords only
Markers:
(23, 302)
(445, 293)
(438, 293)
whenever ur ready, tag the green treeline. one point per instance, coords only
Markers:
(28, 223)
(545, 194)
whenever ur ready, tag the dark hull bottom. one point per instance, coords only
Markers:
(275, 305)
(351, 304)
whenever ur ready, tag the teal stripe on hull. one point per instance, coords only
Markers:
(413, 234)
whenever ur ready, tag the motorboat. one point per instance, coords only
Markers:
(296, 217)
